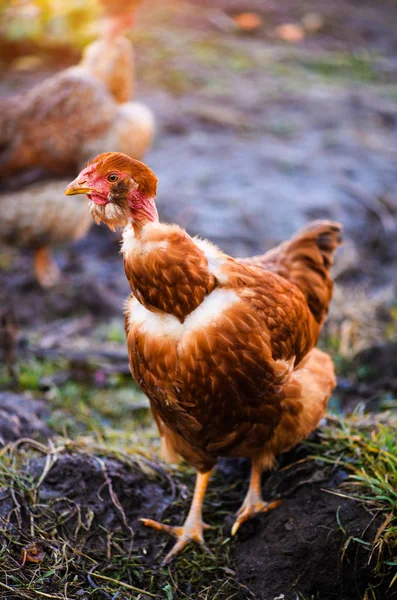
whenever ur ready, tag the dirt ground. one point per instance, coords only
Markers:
(305, 548)
(255, 137)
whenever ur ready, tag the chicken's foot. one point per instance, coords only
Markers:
(253, 501)
(192, 529)
(45, 267)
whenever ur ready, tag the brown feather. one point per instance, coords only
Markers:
(305, 261)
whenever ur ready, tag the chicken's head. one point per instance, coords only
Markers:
(120, 190)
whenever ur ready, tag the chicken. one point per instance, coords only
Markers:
(65, 120)
(223, 348)
(35, 218)
(57, 126)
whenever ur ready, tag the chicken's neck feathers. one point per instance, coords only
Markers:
(166, 269)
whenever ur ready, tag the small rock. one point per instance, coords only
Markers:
(22, 416)
(289, 526)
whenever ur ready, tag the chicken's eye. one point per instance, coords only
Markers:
(113, 177)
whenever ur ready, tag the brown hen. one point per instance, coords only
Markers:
(223, 348)
(57, 126)
(63, 121)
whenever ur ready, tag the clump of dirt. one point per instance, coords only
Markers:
(305, 545)
(109, 493)
(299, 547)
(22, 416)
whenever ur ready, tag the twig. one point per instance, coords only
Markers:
(44, 449)
(17, 508)
(11, 589)
(50, 460)
(113, 495)
(50, 595)
(126, 585)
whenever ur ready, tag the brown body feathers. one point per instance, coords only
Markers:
(224, 348)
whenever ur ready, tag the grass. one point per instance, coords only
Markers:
(201, 60)
(350, 66)
(366, 448)
(107, 406)
(230, 63)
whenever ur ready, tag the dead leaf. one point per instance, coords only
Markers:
(248, 21)
(290, 32)
(33, 553)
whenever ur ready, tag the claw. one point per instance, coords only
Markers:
(193, 527)
(176, 549)
(250, 509)
(191, 531)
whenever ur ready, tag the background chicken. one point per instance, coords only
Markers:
(111, 61)
(57, 126)
(64, 120)
(118, 15)
(223, 348)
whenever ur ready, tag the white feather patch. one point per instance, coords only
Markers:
(215, 258)
(212, 307)
(132, 245)
(163, 324)
(155, 324)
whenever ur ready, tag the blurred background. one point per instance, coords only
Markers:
(267, 115)
(257, 116)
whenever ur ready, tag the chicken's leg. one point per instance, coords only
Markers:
(45, 267)
(192, 529)
(253, 502)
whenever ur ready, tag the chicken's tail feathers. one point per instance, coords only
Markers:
(326, 235)
(305, 260)
(315, 245)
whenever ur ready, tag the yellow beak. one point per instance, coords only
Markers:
(77, 187)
